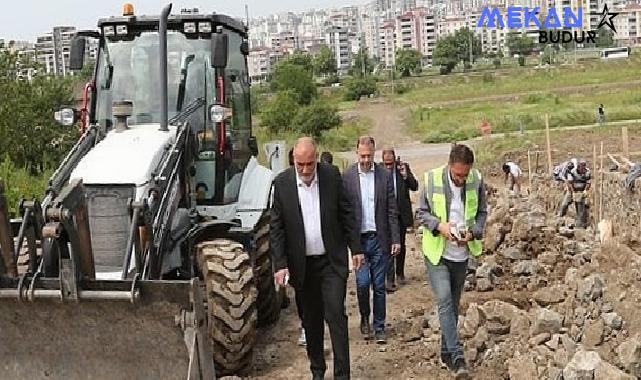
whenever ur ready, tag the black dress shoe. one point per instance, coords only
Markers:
(366, 330)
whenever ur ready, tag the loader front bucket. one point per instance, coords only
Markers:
(103, 335)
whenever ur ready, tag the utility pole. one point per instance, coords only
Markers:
(247, 14)
(471, 36)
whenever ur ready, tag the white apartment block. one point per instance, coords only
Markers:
(416, 29)
(259, 64)
(628, 25)
(53, 50)
(388, 43)
(337, 38)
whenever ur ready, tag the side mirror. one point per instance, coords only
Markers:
(66, 116)
(218, 113)
(219, 50)
(77, 55)
(252, 143)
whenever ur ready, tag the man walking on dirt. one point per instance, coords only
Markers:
(371, 191)
(312, 223)
(513, 174)
(404, 181)
(452, 211)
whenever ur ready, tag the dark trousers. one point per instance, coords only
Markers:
(298, 297)
(396, 265)
(372, 275)
(324, 299)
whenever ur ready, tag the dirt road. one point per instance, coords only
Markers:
(277, 355)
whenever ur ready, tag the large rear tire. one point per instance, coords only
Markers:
(270, 299)
(231, 303)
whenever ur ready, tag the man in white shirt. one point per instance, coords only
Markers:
(513, 174)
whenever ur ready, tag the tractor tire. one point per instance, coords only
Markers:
(231, 303)
(270, 299)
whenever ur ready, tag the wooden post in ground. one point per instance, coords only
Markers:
(626, 146)
(547, 142)
(529, 171)
(601, 185)
(594, 191)
(536, 164)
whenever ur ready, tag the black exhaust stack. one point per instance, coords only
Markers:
(162, 30)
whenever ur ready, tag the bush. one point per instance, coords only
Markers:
(278, 113)
(401, 89)
(357, 87)
(334, 78)
(521, 60)
(20, 184)
(314, 119)
(342, 138)
(445, 69)
(497, 63)
(488, 78)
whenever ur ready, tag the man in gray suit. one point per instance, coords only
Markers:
(371, 190)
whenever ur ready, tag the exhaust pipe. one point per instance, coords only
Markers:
(162, 29)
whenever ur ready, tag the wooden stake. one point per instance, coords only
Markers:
(594, 165)
(547, 142)
(601, 185)
(626, 146)
(529, 171)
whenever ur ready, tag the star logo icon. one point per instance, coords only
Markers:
(606, 18)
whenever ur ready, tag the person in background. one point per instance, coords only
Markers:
(371, 192)
(513, 175)
(403, 181)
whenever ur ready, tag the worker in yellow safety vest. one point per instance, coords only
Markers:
(452, 212)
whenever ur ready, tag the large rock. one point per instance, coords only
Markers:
(630, 355)
(522, 367)
(612, 320)
(591, 288)
(594, 333)
(607, 371)
(547, 321)
(527, 226)
(514, 253)
(474, 318)
(494, 236)
(550, 295)
(582, 366)
(526, 268)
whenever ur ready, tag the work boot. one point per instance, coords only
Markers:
(391, 287)
(365, 328)
(380, 337)
(446, 360)
(460, 369)
(401, 280)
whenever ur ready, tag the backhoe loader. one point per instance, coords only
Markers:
(148, 255)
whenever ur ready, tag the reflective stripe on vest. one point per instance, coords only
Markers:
(434, 246)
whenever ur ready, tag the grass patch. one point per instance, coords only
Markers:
(446, 124)
(517, 80)
(20, 184)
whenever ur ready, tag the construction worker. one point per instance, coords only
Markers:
(452, 211)
(576, 182)
(513, 174)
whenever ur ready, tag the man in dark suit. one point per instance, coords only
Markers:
(404, 181)
(312, 223)
(371, 191)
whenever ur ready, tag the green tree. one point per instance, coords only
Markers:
(520, 44)
(357, 87)
(605, 38)
(289, 76)
(324, 61)
(408, 61)
(463, 38)
(301, 58)
(277, 114)
(361, 64)
(316, 118)
(446, 54)
(30, 137)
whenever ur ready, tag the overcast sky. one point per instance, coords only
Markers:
(26, 19)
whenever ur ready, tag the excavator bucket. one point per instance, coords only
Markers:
(113, 330)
